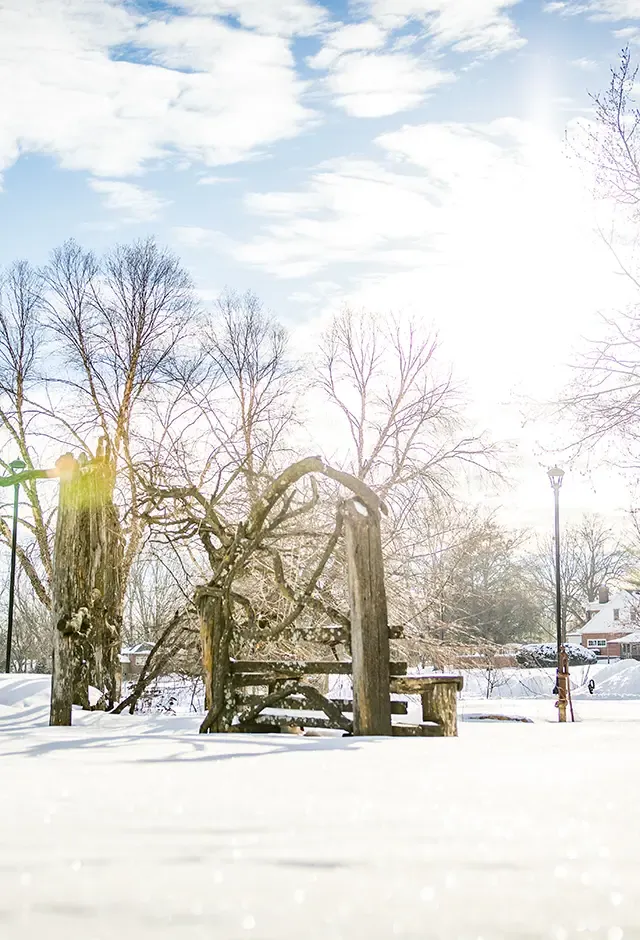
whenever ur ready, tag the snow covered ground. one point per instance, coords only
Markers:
(137, 827)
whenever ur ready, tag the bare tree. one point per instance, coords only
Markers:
(31, 645)
(400, 408)
(613, 142)
(247, 358)
(604, 397)
(21, 346)
(114, 325)
(117, 322)
(591, 555)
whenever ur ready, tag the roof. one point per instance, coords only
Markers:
(137, 648)
(603, 622)
(631, 637)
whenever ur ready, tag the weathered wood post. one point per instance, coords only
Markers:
(369, 622)
(439, 704)
(86, 593)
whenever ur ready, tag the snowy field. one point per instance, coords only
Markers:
(137, 827)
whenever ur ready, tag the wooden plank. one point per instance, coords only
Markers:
(293, 668)
(282, 669)
(412, 685)
(254, 680)
(295, 721)
(369, 621)
(335, 635)
(424, 730)
(298, 702)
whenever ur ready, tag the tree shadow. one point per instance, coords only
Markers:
(197, 746)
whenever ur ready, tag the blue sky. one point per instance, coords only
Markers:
(401, 154)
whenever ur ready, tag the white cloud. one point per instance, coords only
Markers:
(133, 203)
(483, 231)
(436, 184)
(350, 38)
(283, 17)
(379, 84)
(587, 65)
(194, 236)
(210, 92)
(597, 9)
(484, 226)
(213, 180)
(467, 25)
(367, 81)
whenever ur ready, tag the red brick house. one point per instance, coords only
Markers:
(609, 619)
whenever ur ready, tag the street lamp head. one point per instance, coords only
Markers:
(555, 476)
(17, 465)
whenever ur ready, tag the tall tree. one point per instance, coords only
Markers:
(21, 348)
(400, 408)
(591, 554)
(605, 395)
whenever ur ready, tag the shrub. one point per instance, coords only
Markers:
(545, 654)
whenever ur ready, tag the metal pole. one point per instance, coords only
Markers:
(556, 495)
(12, 576)
(561, 674)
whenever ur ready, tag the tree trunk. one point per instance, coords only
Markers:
(216, 630)
(86, 589)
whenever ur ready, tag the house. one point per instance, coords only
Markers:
(133, 658)
(610, 619)
(630, 646)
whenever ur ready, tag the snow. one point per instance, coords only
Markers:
(620, 679)
(136, 826)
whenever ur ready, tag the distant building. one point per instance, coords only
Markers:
(133, 658)
(630, 646)
(609, 620)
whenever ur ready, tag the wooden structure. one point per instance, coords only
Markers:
(283, 688)
(274, 696)
(439, 699)
(369, 622)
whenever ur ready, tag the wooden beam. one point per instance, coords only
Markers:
(294, 721)
(298, 702)
(369, 622)
(335, 635)
(424, 730)
(439, 703)
(284, 669)
(415, 685)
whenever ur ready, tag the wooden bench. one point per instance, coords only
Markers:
(439, 700)
(281, 681)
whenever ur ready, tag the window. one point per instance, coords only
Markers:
(597, 643)
(616, 614)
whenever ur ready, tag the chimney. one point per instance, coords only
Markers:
(603, 594)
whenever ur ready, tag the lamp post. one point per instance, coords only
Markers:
(562, 674)
(15, 465)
